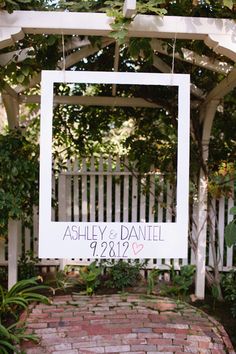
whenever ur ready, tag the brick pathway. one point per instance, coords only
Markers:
(123, 324)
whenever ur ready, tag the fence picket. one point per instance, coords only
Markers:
(143, 199)
(92, 192)
(151, 198)
(2, 250)
(126, 193)
(117, 192)
(134, 208)
(76, 190)
(212, 230)
(84, 191)
(168, 212)
(114, 193)
(229, 250)
(194, 233)
(35, 230)
(109, 191)
(221, 226)
(27, 233)
(100, 191)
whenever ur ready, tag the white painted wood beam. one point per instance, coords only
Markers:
(10, 99)
(94, 101)
(129, 8)
(85, 52)
(222, 89)
(219, 34)
(160, 64)
(10, 91)
(9, 35)
(164, 68)
(15, 56)
(71, 60)
(76, 42)
(193, 58)
(222, 44)
(11, 105)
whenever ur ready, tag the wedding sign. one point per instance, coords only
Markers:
(61, 239)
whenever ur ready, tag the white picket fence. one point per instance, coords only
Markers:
(101, 189)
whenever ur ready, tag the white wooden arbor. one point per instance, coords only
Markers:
(218, 34)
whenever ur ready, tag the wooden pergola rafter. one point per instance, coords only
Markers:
(217, 34)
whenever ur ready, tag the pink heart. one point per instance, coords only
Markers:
(137, 247)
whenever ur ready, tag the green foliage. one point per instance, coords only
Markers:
(43, 53)
(20, 296)
(229, 3)
(141, 45)
(124, 274)
(204, 8)
(3, 275)
(11, 336)
(230, 230)
(18, 178)
(150, 7)
(180, 281)
(229, 287)
(90, 277)
(12, 302)
(11, 5)
(120, 24)
(27, 266)
(220, 182)
(60, 281)
(152, 280)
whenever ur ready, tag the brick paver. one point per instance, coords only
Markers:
(76, 324)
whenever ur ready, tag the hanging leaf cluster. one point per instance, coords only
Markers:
(18, 178)
(11, 5)
(230, 230)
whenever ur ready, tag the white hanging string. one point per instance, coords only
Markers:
(173, 61)
(63, 56)
(173, 56)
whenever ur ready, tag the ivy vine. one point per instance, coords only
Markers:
(18, 178)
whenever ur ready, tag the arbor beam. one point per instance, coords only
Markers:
(129, 8)
(223, 88)
(191, 57)
(70, 60)
(219, 34)
(12, 109)
(94, 101)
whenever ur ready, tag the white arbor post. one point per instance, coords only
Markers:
(208, 114)
(13, 233)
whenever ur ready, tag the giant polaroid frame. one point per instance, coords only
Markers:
(59, 239)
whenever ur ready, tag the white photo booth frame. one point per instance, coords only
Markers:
(59, 239)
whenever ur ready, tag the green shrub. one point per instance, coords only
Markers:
(12, 302)
(59, 281)
(11, 336)
(90, 277)
(19, 170)
(3, 275)
(123, 274)
(27, 266)
(152, 280)
(180, 281)
(228, 282)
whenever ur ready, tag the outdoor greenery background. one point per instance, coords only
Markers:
(147, 136)
(88, 130)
